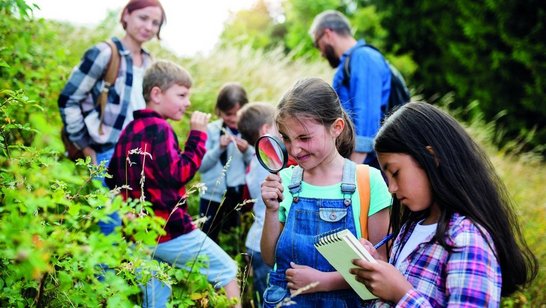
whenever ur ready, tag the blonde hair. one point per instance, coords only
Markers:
(163, 74)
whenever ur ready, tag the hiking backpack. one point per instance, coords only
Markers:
(399, 94)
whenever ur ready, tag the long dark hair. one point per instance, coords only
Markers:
(314, 98)
(462, 180)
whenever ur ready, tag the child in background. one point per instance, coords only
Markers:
(224, 145)
(306, 200)
(458, 240)
(167, 169)
(256, 120)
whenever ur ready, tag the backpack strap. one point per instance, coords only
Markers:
(363, 182)
(109, 80)
(348, 186)
(347, 63)
(295, 183)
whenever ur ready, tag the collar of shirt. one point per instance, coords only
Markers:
(146, 113)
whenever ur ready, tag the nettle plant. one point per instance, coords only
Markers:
(51, 251)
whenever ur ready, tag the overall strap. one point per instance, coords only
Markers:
(348, 186)
(295, 183)
(363, 180)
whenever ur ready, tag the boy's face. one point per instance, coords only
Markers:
(173, 102)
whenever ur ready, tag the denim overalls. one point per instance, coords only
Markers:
(307, 218)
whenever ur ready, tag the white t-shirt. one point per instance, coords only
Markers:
(137, 99)
(418, 236)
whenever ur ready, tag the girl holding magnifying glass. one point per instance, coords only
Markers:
(306, 200)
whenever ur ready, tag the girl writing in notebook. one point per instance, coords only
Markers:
(306, 200)
(458, 241)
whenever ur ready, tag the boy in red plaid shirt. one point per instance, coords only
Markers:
(148, 146)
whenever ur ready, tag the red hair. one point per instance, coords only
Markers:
(134, 5)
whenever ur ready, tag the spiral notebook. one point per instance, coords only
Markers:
(340, 248)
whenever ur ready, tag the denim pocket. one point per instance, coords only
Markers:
(274, 295)
(332, 214)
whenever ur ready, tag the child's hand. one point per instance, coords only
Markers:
(272, 192)
(225, 140)
(382, 279)
(369, 247)
(199, 121)
(300, 276)
(241, 143)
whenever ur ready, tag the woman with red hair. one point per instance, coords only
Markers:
(90, 128)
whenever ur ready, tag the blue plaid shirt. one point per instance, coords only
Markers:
(77, 101)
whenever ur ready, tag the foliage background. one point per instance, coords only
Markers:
(49, 245)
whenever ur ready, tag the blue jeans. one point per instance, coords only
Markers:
(108, 225)
(183, 249)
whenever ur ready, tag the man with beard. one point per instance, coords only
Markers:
(365, 90)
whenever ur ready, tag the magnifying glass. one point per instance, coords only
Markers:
(271, 153)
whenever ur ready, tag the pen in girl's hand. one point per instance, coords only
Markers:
(383, 241)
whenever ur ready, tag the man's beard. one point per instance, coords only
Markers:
(330, 55)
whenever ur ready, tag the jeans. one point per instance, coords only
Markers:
(183, 249)
(108, 225)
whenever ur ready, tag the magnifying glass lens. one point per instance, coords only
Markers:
(271, 153)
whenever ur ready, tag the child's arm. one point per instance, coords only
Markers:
(184, 165)
(300, 276)
(272, 195)
(245, 148)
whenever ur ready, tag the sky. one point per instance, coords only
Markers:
(192, 26)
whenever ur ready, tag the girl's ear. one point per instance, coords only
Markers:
(155, 95)
(337, 127)
(431, 151)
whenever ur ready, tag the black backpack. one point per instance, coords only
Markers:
(399, 91)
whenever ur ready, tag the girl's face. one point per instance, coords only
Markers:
(173, 102)
(407, 180)
(143, 24)
(230, 116)
(310, 143)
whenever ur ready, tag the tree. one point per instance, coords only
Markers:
(489, 51)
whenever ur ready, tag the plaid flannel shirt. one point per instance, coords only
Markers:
(150, 141)
(77, 102)
(468, 276)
